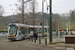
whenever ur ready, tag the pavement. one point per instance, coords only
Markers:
(58, 43)
(54, 40)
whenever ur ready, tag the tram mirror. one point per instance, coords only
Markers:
(19, 28)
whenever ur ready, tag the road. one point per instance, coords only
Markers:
(5, 44)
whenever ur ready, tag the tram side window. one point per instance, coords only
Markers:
(22, 30)
(40, 30)
(31, 30)
(45, 30)
(25, 30)
(35, 29)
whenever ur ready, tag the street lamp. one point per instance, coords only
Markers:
(50, 21)
(42, 19)
(47, 22)
(47, 16)
(68, 27)
(57, 32)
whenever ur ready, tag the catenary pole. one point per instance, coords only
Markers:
(50, 22)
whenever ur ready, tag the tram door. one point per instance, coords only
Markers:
(18, 33)
(31, 30)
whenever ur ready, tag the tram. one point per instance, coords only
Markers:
(17, 31)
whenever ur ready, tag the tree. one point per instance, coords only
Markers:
(18, 18)
(33, 9)
(1, 10)
(72, 15)
(21, 9)
(33, 6)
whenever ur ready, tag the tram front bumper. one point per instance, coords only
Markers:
(11, 38)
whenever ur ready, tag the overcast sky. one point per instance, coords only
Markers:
(58, 6)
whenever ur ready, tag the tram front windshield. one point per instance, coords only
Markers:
(12, 30)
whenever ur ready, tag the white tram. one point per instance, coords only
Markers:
(17, 31)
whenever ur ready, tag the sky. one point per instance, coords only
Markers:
(58, 6)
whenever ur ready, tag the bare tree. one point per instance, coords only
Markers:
(33, 9)
(21, 8)
(1, 10)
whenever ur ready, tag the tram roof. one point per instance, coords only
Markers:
(27, 26)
